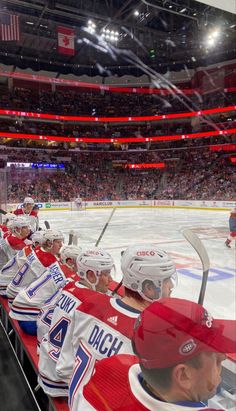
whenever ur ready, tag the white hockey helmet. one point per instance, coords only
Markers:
(96, 260)
(28, 200)
(146, 262)
(19, 222)
(69, 251)
(6, 218)
(37, 237)
(52, 235)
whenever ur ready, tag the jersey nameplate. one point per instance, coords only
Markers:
(66, 303)
(56, 273)
(104, 342)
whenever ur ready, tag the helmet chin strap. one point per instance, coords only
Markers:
(93, 285)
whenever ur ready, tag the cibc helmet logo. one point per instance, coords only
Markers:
(188, 347)
(147, 253)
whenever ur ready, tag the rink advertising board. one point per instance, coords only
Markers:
(191, 204)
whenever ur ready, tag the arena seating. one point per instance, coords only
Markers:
(92, 102)
(191, 173)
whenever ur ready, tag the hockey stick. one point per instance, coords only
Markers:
(105, 227)
(47, 225)
(75, 240)
(71, 236)
(2, 211)
(197, 244)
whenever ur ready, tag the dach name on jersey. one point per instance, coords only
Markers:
(104, 342)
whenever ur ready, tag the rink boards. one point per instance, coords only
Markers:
(192, 204)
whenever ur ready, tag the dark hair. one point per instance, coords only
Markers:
(133, 294)
(161, 378)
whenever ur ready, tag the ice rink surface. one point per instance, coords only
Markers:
(163, 227)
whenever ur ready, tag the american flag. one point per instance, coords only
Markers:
(9, 27)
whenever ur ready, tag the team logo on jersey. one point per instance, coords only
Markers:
(113, 320)
(188, 347)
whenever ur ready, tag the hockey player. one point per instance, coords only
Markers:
(37, 262)
(28, 210)
(14, 240)
(10, 269)
(26, 306)
(148, 274)
(4, 227)
(94, 269)
(179, 348)
(79, 203)
(232, 228)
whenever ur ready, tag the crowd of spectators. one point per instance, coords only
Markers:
(110, 131)
(77, 101)
(189, 174)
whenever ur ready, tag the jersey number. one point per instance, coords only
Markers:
(32, 291)
(82, 363)
(20, 274)
(56, 337)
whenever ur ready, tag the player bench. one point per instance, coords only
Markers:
(24, 344)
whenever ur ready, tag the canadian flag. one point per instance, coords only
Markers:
(66, 40)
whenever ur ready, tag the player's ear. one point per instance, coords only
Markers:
(182, 376)
(90, 276)
(49, 244)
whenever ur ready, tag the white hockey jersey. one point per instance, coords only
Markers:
(56, 366)
(36, 263)
(6, 252)
(26, 306)
(60, 331)
(10, 269)
(103, 328)
(44, 318)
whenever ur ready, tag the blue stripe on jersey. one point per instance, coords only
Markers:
(61, 385)
(9, 266)
(24, 312)
(127, 307)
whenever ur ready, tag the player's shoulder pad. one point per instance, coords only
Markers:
(33, 213)
(114, 371)
(81, 293)
(27, 249)
(68, 273)
(45, 257)
(18, 211)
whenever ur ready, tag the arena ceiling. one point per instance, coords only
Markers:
(163, 34)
